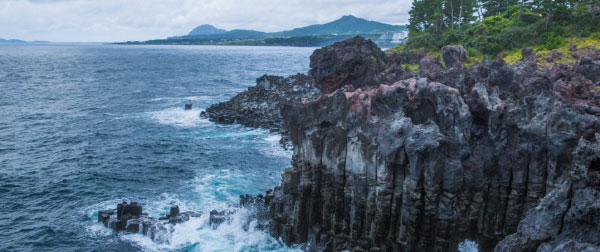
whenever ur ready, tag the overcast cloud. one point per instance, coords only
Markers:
(123, 20)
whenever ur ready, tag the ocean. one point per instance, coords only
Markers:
(84, 127)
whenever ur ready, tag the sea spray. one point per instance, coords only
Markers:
(76, 139)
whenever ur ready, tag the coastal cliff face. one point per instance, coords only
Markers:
(259, 106)
(424, 163)
(388, 160)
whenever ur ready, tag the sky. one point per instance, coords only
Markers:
(137, 20)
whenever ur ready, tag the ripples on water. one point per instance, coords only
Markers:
(85, 127)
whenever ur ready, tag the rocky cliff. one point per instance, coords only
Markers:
(260, 106)
(364, 64)
(384, 160)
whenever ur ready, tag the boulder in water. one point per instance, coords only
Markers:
(130, 218)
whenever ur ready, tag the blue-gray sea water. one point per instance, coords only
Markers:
(83, 127)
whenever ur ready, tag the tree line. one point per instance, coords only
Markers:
(449, 14)
(456, 20)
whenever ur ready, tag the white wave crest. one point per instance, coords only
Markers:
(468, 246)
(187, 98)
(197, 235)
(273, 148)
(179, 117)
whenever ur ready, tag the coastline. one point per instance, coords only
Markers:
(317, 205)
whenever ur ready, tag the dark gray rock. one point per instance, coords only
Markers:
(454, 55)
(356, 61)
(528, 56)
(216, 218)
(404, 57)
(553, 56)
(104, 216)
(502, 155)
(350, 64)
(567, 246)
(568, 218)
(421, 165)
(174, 211)
(259, 106)
(431, 69)
(130, 218)
(589, 69)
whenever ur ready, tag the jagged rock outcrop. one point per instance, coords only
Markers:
(529, 56)
(387, 161)
(424, 163)
(454, 55)
(353, 63)
(589, 68)
(405, 57)
(259, 106)
(357, 62)
(568, 218)
(431, 69)
(130, 218)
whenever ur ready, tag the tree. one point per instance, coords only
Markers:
(496, 7)
(439, 14)
(554, 10)
(520, 12)
(422, 14)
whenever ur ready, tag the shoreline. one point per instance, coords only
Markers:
(336, 114)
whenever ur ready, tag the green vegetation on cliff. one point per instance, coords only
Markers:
(502, 27)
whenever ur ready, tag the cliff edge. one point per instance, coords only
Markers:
(388, 160)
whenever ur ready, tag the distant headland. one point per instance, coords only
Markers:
(18, 41)
(385, 35)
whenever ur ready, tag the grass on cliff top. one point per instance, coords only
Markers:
(512, 57)
(412, 67)
(567, 58)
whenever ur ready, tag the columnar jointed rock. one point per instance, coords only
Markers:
(422, 164)
(568, 218)
(256, 211)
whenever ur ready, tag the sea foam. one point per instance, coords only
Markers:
(179, 117)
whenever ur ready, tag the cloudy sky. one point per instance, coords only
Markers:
(123, 20)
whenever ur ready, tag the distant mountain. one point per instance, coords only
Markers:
(233, 34)
(313, 35)
(347, 25)
(11, 41)
(206, 29)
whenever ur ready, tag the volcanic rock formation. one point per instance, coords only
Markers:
(130, 218)
(363, 64)
(386, 161)
(454, 55)
(259, 106)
